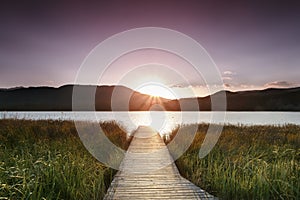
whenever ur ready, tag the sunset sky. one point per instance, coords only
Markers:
(255, 45)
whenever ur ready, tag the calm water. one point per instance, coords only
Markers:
(164, 121)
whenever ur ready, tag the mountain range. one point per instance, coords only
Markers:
(120, 98)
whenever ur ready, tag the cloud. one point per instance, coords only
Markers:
(282, 84)
(227, 78)
(245, 86)
(229, 73)
(179, 85)
(186, 85)
(50, 82)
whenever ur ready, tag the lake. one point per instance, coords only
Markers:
(165, 121)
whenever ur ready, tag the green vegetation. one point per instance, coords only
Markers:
(248, 162)
(46, 160)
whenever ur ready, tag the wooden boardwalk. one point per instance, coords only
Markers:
(144, 175)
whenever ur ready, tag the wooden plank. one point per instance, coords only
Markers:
(143, 174)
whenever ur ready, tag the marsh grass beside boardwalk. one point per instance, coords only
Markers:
(45, 159)
(248, 162)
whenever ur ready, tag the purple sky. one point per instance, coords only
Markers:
(254, 44)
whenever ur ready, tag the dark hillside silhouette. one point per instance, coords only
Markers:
(60, 99)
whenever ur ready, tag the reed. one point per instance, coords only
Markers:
(248, 162)
(45, 159)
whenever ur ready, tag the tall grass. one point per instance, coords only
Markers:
(46, 160)
(248, 162)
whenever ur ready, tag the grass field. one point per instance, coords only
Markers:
(248, 162)
(46, 160)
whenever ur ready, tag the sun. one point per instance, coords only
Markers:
(156, 90)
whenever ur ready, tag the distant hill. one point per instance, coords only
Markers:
(60, 99)
(256, 100)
